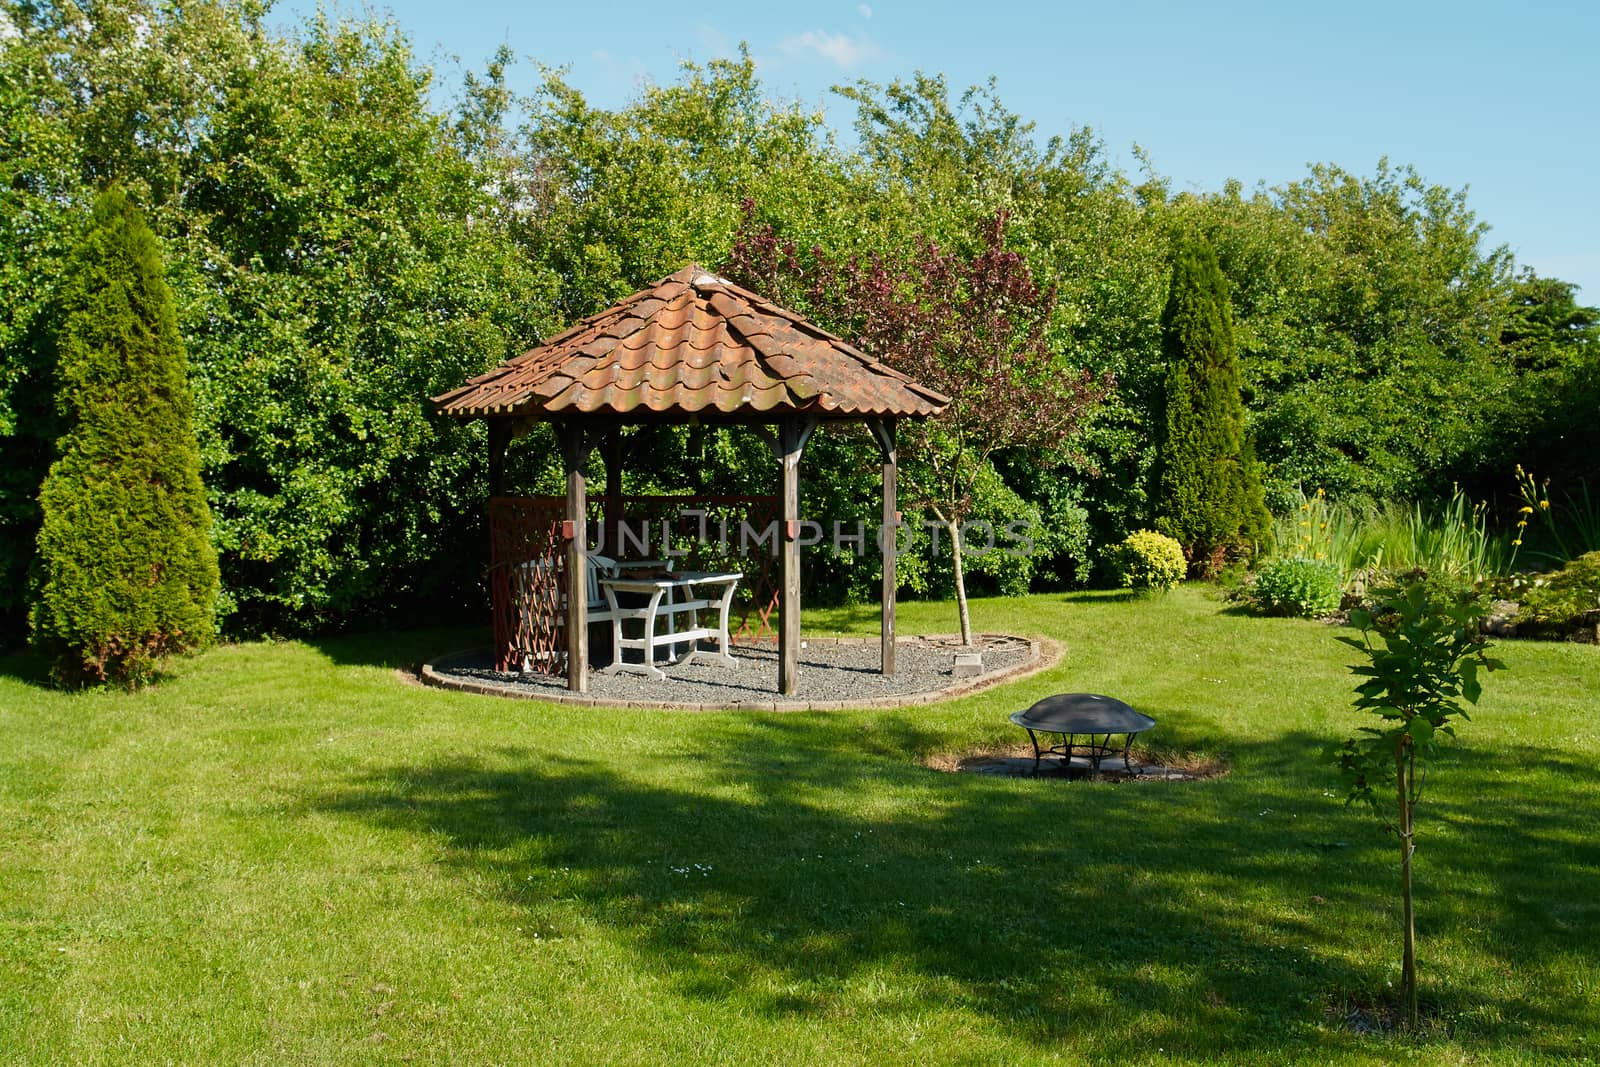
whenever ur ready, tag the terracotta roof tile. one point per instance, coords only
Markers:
(689, 343)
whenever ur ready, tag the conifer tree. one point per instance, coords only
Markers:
(128, 573)
(1208, 490)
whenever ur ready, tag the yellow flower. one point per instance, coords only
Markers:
(1518, 541)
(1545, 504)
(1524, 510)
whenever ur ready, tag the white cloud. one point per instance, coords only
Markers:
(839, 49)
(865, 9)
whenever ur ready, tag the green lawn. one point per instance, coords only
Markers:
(285, 854)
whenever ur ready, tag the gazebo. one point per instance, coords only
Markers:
(694, 347)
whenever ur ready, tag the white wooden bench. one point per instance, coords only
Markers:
(700, 591)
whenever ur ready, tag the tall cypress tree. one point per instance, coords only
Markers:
(1208, 490)
(128, 574)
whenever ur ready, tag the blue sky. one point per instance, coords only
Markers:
(1501, 98)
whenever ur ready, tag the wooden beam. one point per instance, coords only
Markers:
(574, 455)
(499, 439)
(770, 439)
(793, 434)
(883, 433)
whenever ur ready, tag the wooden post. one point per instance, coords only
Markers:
(499, 440)
(573, 456)
(792, 437)
(613, 451)
(883, 432)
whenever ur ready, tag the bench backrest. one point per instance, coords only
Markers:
(599, 566)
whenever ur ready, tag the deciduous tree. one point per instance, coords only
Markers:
(338, 254)
(1380, 360)
(977, 328)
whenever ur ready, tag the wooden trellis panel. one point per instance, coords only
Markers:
(528, 584)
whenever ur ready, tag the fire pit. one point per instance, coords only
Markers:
(1071, 715)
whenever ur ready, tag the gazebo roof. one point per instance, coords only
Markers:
(693, 344)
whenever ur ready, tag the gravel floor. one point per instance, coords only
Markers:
(843, 671)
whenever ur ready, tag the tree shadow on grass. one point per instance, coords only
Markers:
(27, 667)
(393, 649)
(784, 866)
(1517, 866)
(1107, 596)
(399, 649)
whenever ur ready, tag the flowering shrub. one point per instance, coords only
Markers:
(1148, 560)
(1449, 537)
(1293, 585)
(1312, 537)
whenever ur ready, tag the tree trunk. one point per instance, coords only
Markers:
(1408, 966)
(961, 584)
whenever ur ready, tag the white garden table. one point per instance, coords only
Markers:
(664, 598)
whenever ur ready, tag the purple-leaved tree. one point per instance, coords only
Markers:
(977, 328)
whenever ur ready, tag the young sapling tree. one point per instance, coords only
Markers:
(1424, 649)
